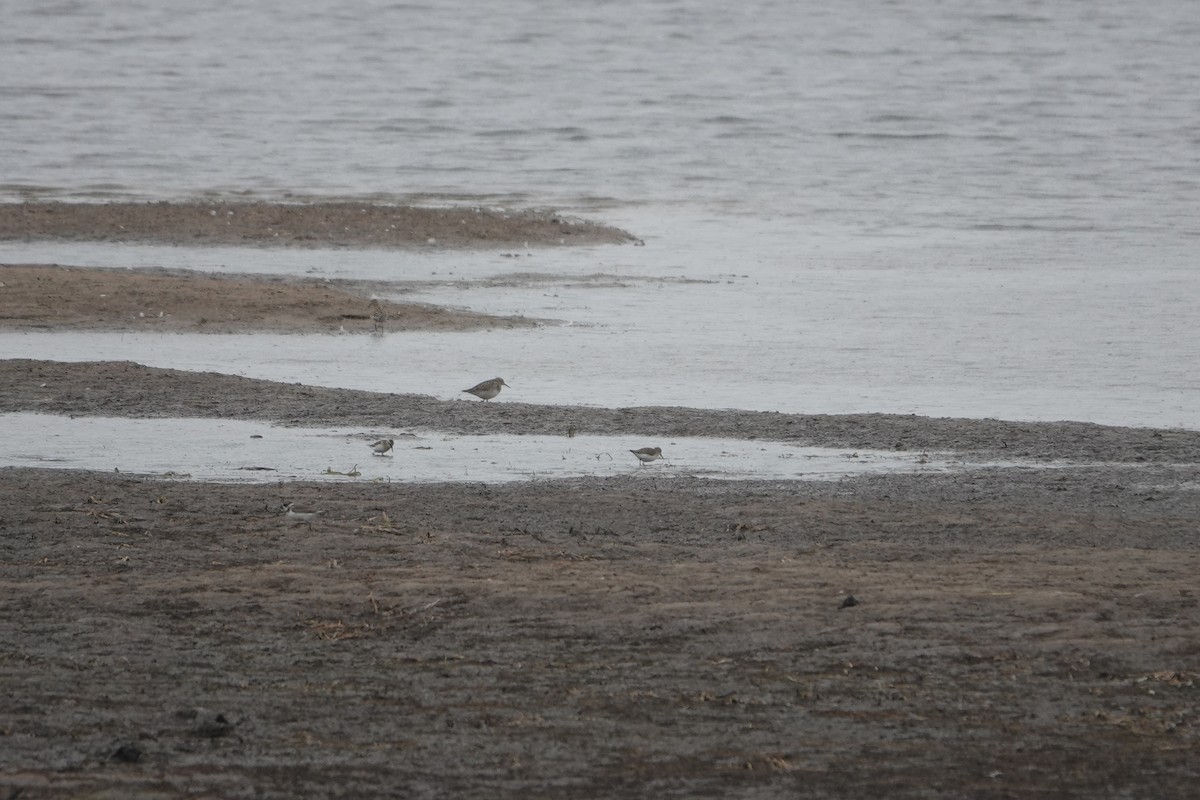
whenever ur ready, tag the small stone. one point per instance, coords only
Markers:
(127, 754)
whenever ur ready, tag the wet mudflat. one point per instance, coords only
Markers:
(994, 632)
(1014, 632)
(310, 224)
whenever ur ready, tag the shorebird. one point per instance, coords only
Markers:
(378, 315)
(382, 446)
(488, 389)
(301, 516)
(647, 454)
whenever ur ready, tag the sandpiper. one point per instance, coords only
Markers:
(378, 315)
(382, 446)
(488, 389)
(647, 454)
(301, 516)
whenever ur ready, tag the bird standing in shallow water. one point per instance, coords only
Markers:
(382, 446)
(378, 315)
(488, 389)
(647, 454)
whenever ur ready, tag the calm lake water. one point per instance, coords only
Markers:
(978, 209)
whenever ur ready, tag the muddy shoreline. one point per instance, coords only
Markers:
(991, 633)
(1010, 635)
(107, 388)
(1028, 632)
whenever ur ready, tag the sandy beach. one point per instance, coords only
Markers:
(1002, 632)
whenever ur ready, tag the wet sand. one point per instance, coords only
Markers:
(1029, 632)
(51, 297)
(298, 225)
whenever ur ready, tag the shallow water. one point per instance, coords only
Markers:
(239, 451)
(632, 326)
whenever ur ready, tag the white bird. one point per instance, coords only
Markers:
(382, 446)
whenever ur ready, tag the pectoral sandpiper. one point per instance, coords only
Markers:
(488, 389)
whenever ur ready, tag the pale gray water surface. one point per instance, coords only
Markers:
(1100, 344)
(997, 114)
(239, 451)
(983, 209)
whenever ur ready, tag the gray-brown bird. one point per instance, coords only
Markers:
(647, 454)
(488, 389)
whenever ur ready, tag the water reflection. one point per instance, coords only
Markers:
(237, 451)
